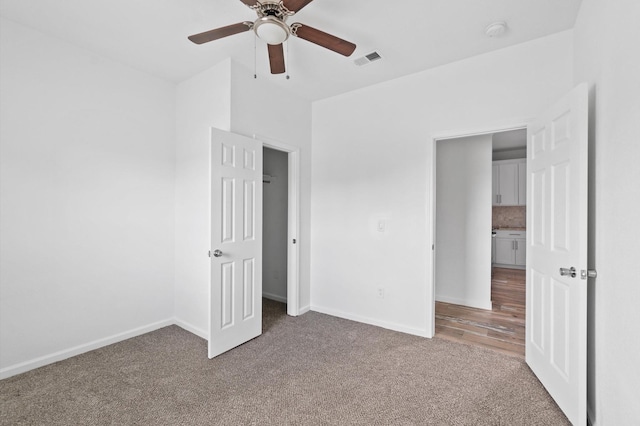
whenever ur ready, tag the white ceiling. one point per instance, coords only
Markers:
(411, 35)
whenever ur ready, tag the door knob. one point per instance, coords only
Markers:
(571, 272)
(217, 253)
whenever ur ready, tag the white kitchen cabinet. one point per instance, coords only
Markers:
(521, 252)
(522, 183)
(493, 250)
(504, 251)
(509, 183)
(510, 248)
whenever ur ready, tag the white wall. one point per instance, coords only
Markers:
(202, 102)
(87, 181)
(607, 36)
(274, 225)
(463, 221)
(262, 109)
(372, 155)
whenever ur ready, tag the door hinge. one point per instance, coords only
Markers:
(209, 253)
(588, 273)
(294, 241)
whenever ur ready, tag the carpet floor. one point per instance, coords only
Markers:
(309, 370)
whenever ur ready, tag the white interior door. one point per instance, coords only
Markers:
(235, 310)
(556, 324)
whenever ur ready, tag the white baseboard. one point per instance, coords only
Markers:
(25, 366)
(371, 321)
(191, 328)
(304, 310)
(275, 297)
(480, 304)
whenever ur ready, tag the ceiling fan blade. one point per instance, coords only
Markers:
(295, 5)
(276, 58)
(249, 2)
(323, 39)
(220, 32)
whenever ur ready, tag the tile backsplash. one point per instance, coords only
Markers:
(509, 217)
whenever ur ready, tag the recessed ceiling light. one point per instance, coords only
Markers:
(497, 29)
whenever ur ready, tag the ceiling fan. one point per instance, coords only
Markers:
(272, 28)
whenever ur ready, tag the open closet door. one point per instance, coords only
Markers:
(235, 309)
(556, 325)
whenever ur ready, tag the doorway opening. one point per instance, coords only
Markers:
(280, 253)
(274, 225)
(480, 182)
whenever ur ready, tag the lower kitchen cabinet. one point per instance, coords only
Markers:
(510, 248)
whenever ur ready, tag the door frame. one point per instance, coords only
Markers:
(293, 219)
(441, 136)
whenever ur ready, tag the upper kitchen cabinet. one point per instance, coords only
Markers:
(509, 183)
(522, 183)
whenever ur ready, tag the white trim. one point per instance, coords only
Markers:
(304, 309)
(275, 297)
(191, 328)
(455, 134)
(371, 321)
(293, 227)
(431, 320)
(25, 366)
(480, 304)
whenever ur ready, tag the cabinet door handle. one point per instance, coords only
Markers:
(516, 244)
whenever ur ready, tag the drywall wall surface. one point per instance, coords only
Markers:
(274, 225)
(372, 156)
(202, 102)
(463, 221)
(606, 57)
(260, 109)
(86, 205)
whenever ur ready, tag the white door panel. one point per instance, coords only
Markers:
(235, 311)
(557, 238)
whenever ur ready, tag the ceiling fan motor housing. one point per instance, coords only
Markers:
(273, 8)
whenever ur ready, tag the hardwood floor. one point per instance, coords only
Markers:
(501, 329)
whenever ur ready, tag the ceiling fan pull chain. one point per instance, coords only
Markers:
(255, 71)
(288, 61)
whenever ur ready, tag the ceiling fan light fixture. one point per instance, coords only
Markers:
(271, 30)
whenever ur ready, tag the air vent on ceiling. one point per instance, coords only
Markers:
(366, 59)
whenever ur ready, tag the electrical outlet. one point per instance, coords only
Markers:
(380, 292)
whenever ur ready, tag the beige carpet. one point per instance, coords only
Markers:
(310, 370)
